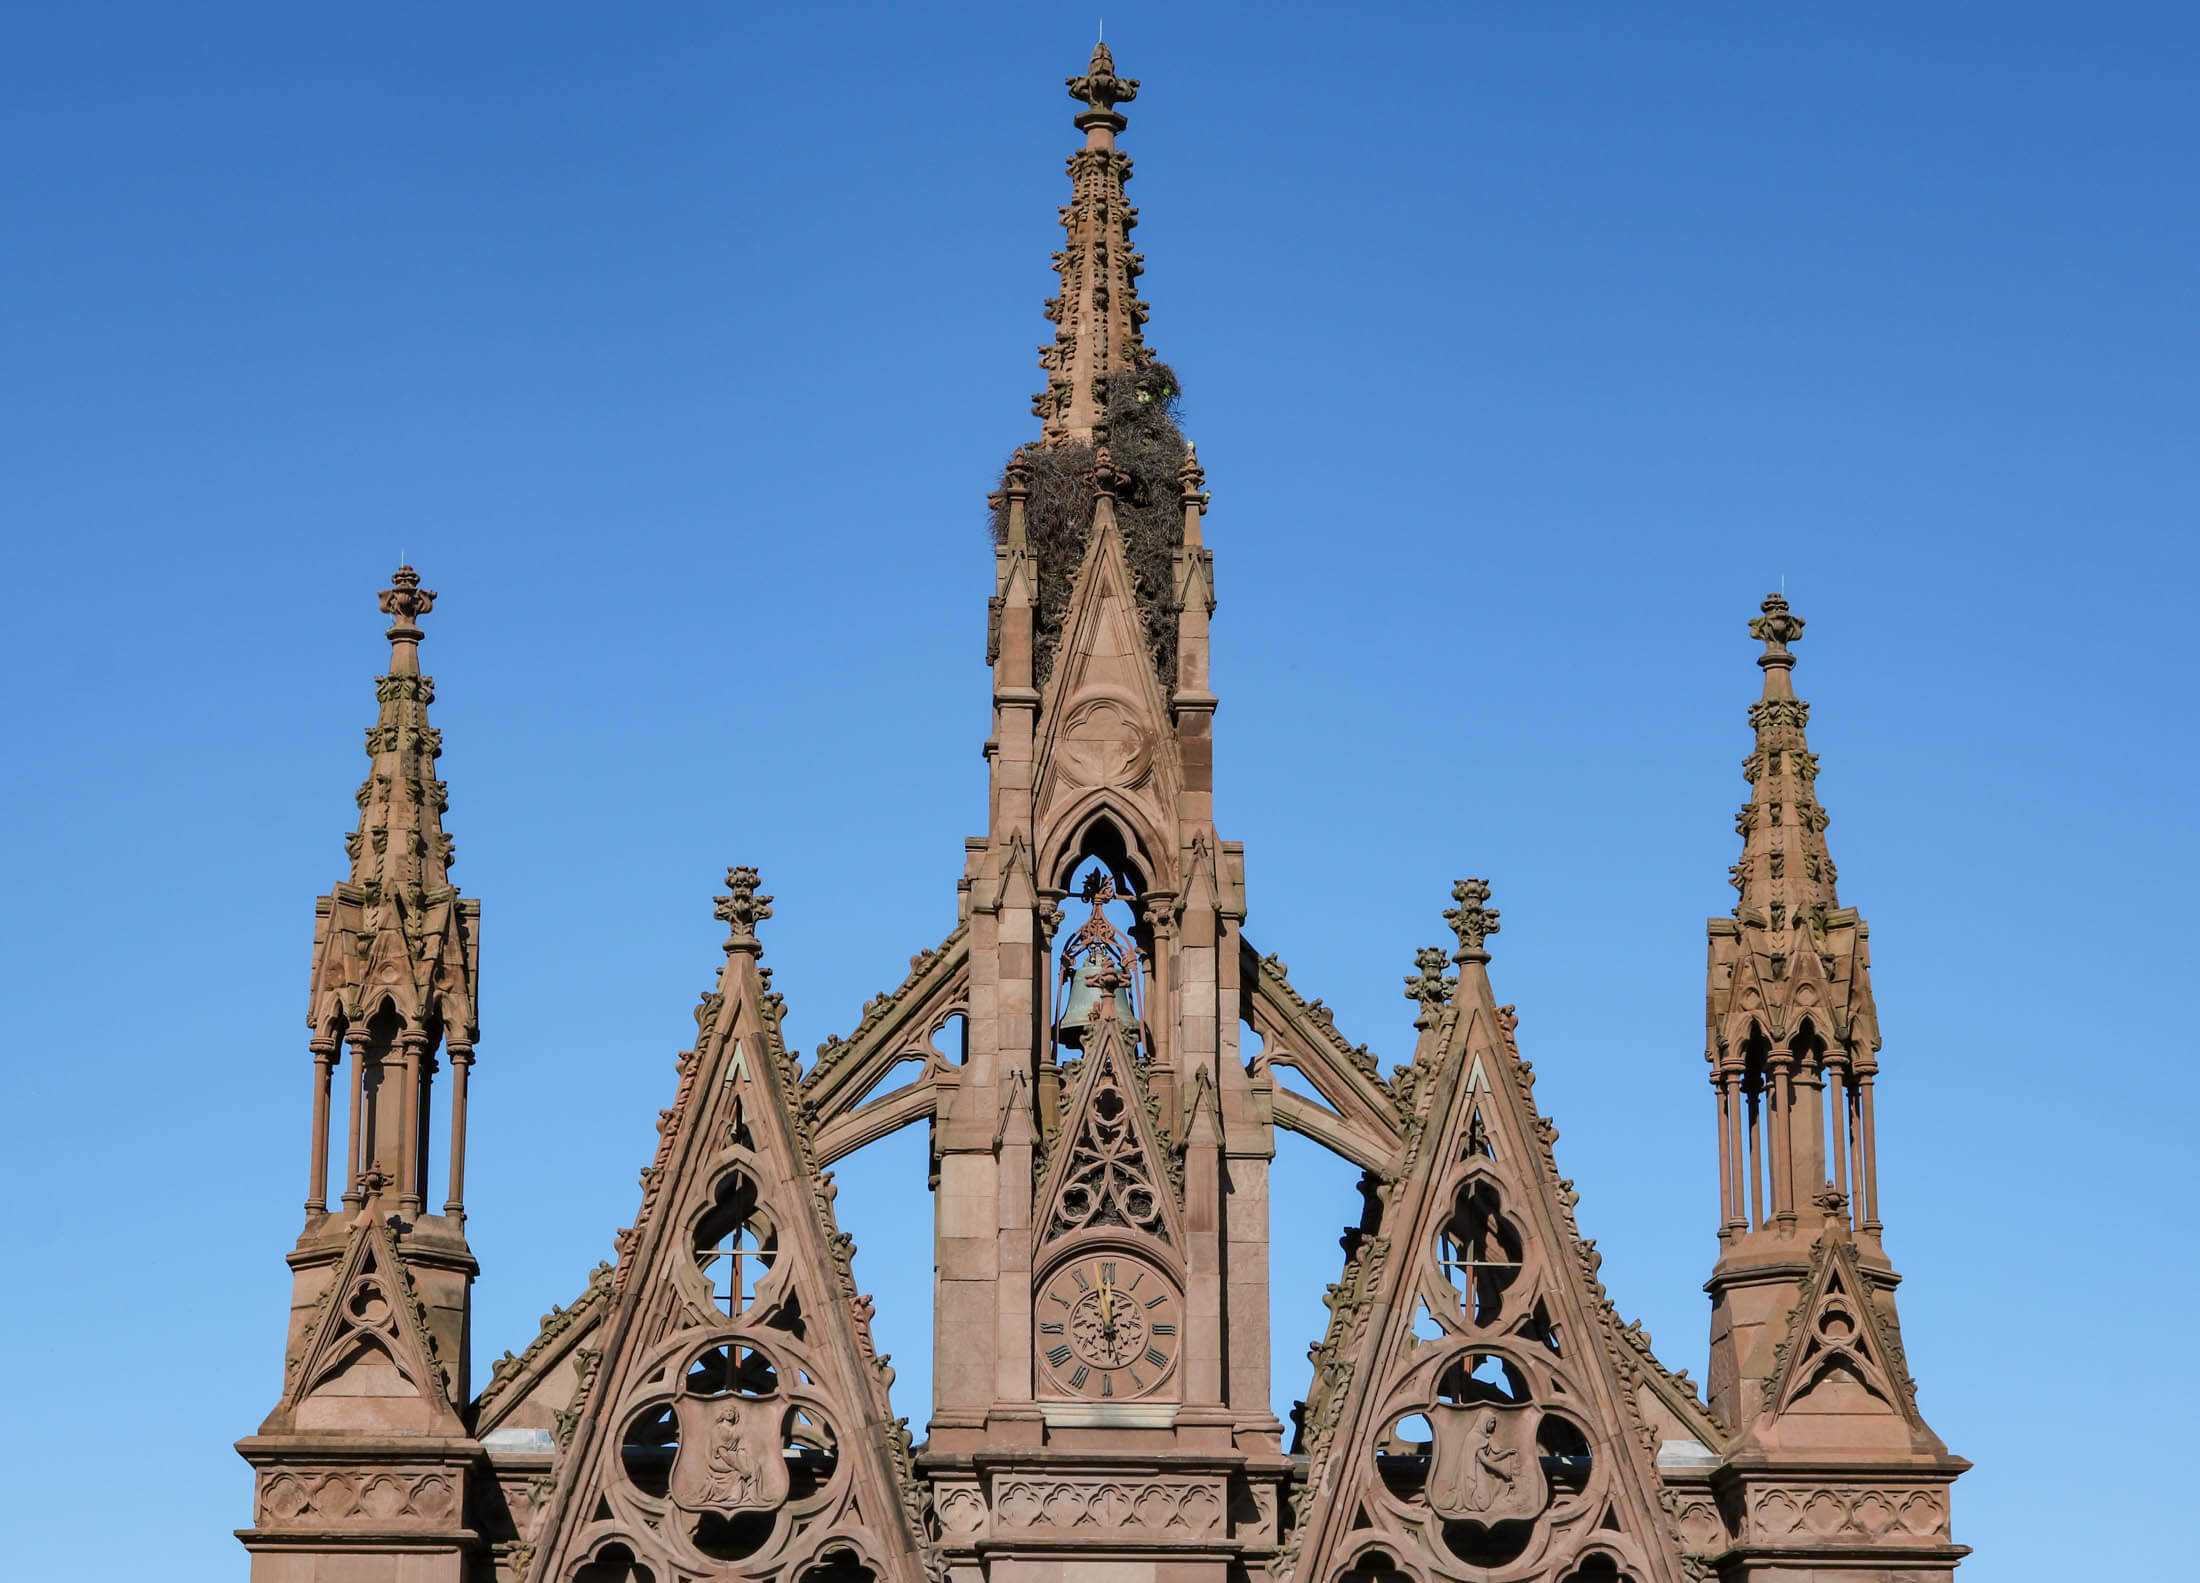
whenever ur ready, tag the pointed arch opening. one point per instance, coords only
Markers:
(1479, 1250)
(1756, 1096)
(735, 1245)
(377, 1093)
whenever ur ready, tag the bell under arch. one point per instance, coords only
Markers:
(1106, 956)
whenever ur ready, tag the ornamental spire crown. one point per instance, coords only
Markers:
(1098, 319)
(1786, 870)
(396, 930)
(400, 849)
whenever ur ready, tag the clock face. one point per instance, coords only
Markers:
(1109, 1327)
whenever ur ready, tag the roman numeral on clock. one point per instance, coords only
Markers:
(1157, 1357)
(1159, 1330)
(1053, 1327)
(1077, 1380)
(1157, 1299)
(1058, 1356)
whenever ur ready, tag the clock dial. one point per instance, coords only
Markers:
(1109, 1327)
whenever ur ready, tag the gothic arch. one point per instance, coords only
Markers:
(1098, 826)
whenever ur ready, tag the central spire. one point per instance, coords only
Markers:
(1097, 317)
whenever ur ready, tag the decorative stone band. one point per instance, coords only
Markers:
(358, 1497)
(1113, 1511)
(1843, 1516)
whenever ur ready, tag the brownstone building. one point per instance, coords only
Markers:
(710, 1406)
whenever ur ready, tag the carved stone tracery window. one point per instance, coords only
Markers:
(727, 1452)
(1479, 1252)
(1109, 1182)
(735, 1246)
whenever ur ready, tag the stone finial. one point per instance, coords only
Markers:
(406, 600)
(1101, 89)
(743, 910)
(1428, 986)
(1191, 478)
(1016, 476)
(1471, 921)
(1107, 478)
(1776, 629)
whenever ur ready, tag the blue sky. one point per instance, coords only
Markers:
(1526, 349)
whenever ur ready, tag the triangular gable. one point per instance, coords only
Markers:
(737, 1417)
(1105, 729)
(368, 1360)
(1474, 1410)
(1839, 1380)
(1110, 1173)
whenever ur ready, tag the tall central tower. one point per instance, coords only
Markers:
(1102, 1211)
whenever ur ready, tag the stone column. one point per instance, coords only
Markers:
(324, 1074)
(410, 1167)
(1783, 1143)
(462, 1064)
(361, 1043)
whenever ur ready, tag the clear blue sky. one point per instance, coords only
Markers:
(1526, 348)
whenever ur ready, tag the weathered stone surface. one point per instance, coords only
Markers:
(711, 1405)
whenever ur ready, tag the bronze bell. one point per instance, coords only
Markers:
(1084, 999)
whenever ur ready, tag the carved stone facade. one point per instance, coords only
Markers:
(711, 1405)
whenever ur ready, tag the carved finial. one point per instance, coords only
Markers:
(1107, 478)
(1097, 315)
(1471, 920)
(1101, 91)
(1776, 629)
(1428, 985)
(743, 910)
(1016, 477)
(406, 600)
(1191, 478)
(366, 1191)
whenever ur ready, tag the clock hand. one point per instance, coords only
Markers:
(1107, 1306)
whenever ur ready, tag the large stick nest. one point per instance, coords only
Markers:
(1143, 441)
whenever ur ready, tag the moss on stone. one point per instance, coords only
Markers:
(1144, 442)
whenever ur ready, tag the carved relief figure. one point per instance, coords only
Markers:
(1482, 1467)
(729, 1459)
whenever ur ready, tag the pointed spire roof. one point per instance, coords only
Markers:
(1792, 927)
(1098, 319)
(396, 930)
(1784, 856)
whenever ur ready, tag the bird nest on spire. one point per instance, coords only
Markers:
(1144, 442)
